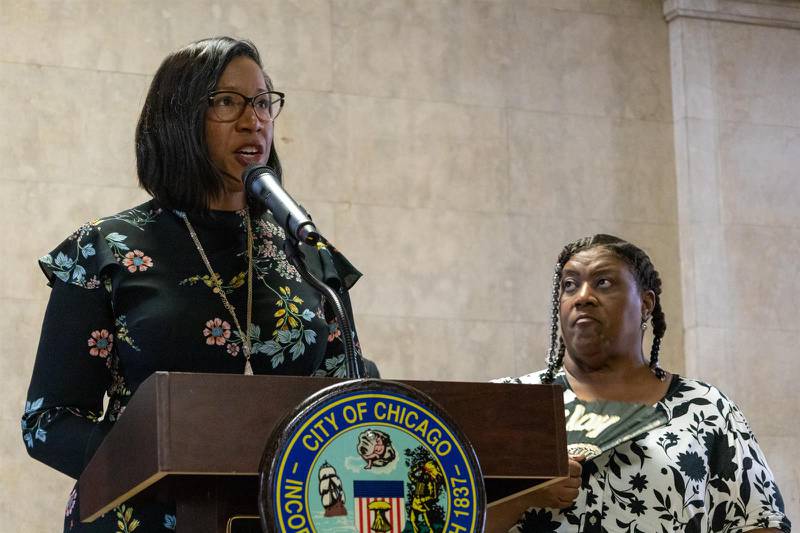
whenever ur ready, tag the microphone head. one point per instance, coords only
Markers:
(253, 171)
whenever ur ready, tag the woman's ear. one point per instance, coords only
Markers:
(648, 304)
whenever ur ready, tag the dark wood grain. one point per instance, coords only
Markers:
(210, 425)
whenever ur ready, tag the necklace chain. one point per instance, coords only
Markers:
(246, 342)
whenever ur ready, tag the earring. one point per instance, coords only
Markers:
(644, 324)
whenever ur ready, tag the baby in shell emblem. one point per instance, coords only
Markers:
(375, 447)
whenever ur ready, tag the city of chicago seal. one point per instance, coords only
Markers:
(371, 456)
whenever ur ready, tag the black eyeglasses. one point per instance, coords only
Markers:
(228, 106)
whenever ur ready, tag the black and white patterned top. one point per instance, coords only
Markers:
(702, 471)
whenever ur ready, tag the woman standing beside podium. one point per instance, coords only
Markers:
(696, 467)
(194, 280)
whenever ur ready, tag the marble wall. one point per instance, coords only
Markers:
(735, 79)
(449, 148)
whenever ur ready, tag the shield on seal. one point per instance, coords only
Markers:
(390, 514)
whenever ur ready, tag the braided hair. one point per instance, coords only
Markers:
(647, 278)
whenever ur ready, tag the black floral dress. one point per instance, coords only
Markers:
(702, 471)
(132, 296)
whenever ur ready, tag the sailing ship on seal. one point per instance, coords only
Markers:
(331, 491)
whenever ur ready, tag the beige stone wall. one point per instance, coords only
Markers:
(736, 74)
(449, 148)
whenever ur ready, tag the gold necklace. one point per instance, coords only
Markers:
(246, 344)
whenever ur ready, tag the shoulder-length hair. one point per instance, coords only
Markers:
(172, 158)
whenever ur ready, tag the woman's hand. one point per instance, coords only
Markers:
(499, 518)
(562, 494)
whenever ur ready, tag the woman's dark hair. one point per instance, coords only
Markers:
(647, 279)
(172, 158)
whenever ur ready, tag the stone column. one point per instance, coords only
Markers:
(736, 107)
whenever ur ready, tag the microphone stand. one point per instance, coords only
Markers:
(354, 363)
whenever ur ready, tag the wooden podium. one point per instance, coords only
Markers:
(197, 439)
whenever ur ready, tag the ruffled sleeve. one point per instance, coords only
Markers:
(83, 257)
(329, 265)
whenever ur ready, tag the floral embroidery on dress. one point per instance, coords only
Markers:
(169, 521)
(35, 420)
(333, 331)
(215, 282)
(31, 426)
(125, 521)
(335, 366)
(100, 343)
(116, 242)
(137, 261)
(217, 331)
(136, 217)
(332, 367)
(121, 325)
(290, 332)
(118, 391)
(68, 269)
(288, 314)
(266, 254)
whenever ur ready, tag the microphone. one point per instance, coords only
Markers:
(261, 182)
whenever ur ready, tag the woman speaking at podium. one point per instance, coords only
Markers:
(689, 463)
(194, 280)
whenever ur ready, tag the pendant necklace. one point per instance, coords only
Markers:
(246, 343)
